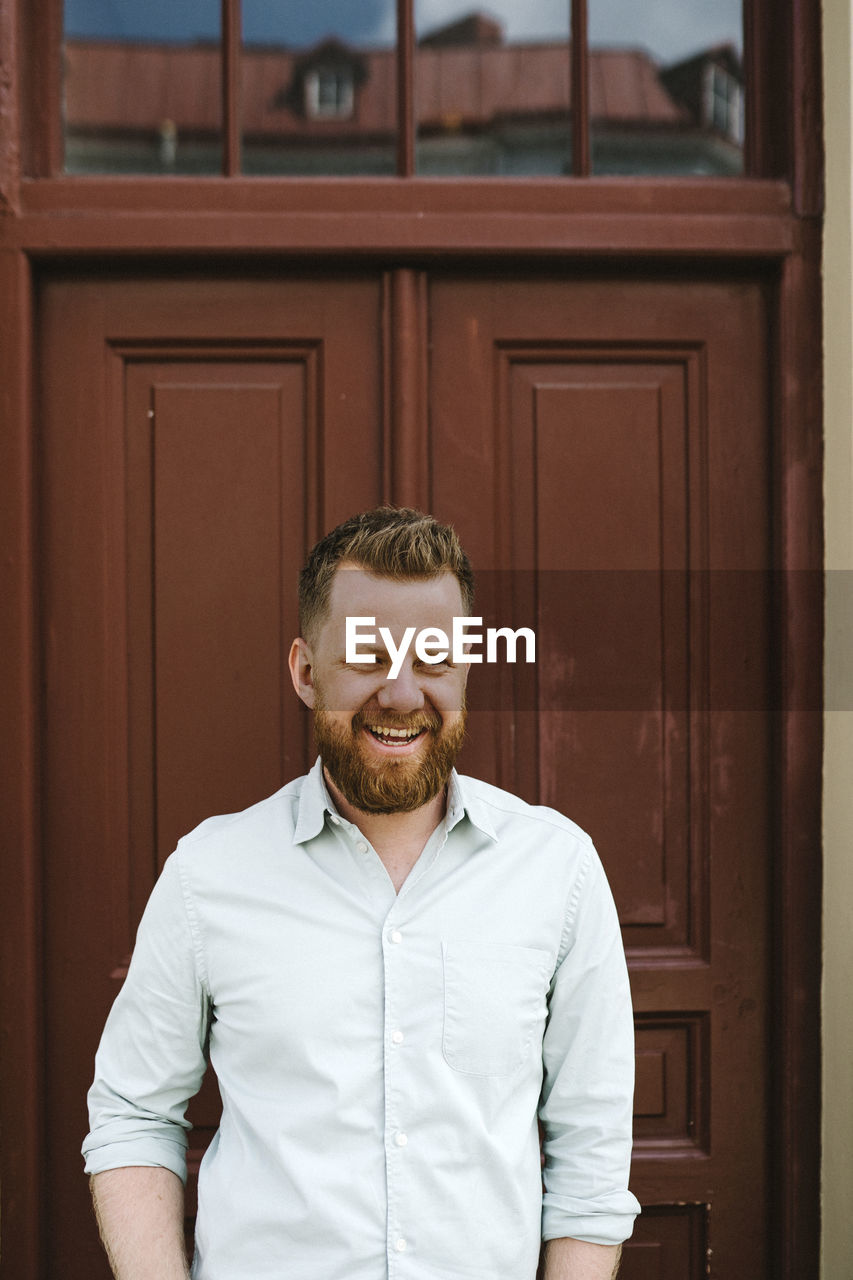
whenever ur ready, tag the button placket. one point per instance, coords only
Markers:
(395, 1138)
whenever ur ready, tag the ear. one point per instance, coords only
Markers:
(301, 664)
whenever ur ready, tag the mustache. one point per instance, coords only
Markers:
(413, 723)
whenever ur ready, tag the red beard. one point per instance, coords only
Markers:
(387, 785)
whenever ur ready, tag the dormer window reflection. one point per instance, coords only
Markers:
(329, 93)
(724, 98)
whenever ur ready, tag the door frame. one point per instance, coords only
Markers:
(770, 222)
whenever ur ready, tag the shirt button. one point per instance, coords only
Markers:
(396, 935)
(361, 846)
(398, 1037)
(400, 1246)
(401, 1139)
(333, 817)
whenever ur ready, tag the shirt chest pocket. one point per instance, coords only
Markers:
(494, 1005)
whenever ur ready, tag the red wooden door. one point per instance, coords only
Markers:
(603, 444)
(602, 447)
(186, 438)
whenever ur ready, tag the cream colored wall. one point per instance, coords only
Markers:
(837, 1179)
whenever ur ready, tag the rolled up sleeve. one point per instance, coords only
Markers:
(152, 1054)
(587, 1096)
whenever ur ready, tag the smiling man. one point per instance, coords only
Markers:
(398, 974)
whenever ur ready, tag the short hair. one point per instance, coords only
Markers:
(392, 542)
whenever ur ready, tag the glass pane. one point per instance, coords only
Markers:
(666, 86)
(492, 88)
(142, 86)
(319, 87)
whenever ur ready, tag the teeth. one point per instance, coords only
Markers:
(384, 732)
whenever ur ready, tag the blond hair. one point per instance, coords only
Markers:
(393, 542)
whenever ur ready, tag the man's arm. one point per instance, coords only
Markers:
(152, 1055)
(586, 1103)
(140, 1214)
(578, 1260)
(150, 1061)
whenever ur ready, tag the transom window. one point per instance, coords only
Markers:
(550, 88)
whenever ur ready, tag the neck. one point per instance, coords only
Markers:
(398, 838)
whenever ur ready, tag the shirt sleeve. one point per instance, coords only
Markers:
(587, 1095)
(152, 1054)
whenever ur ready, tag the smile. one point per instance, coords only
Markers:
(393, 737)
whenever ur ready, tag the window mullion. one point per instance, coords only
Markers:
(405, 88)
(580, 91)
(39, 32)
(232, 38)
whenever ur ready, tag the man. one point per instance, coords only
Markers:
(395, 972)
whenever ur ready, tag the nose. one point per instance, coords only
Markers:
(402, 694)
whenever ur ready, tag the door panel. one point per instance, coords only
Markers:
(610, 436)
(625, 482)
(215, 460)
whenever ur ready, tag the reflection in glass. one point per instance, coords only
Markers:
(319, 87)
(492, 89)
(666, 87)
(142, 87)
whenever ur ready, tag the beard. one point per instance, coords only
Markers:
(387, 785)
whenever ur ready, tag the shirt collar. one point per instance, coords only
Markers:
(461, 800)
(315, 802)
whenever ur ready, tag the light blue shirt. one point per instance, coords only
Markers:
(382, 1057)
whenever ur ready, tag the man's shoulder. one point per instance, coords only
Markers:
(505, 808)
(271, 817)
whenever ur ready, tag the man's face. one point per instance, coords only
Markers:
(388, 744)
